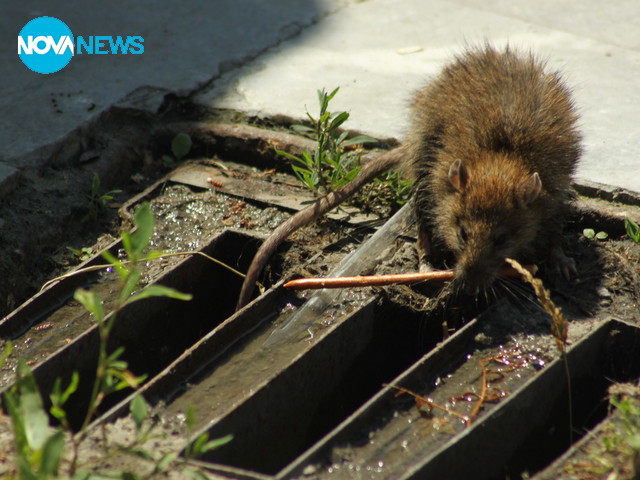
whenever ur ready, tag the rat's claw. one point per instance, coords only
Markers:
(565, 265)
(424, 265)
(568, 268)
(423, 247)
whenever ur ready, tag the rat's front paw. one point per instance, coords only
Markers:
(566, 266)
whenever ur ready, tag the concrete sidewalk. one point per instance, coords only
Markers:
(271, 57)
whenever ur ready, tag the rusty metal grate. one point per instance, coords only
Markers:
(323, 404)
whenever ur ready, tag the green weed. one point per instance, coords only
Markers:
(591, 234)
(390, 189)
(98, 201)
(331, 165)
(39, 447)
(180, 148)
(616, 454)
(82, 254)
(633, 230)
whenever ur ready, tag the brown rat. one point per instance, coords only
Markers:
(492, 146)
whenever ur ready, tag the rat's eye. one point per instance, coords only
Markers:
(500, 241)
(462, 235)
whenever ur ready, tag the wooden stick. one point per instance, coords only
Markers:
(437, 276)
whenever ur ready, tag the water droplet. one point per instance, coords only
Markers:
(310, 470)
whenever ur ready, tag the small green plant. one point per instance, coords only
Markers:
(591, 234)
(98, 201)
(180, 148)
(629, 411)
(633, 230)
(40, 447)
(617, 453)
(202, 444)
(112, 373)
(330, 166)
(390, 189)
(83, 253)
(169, 461)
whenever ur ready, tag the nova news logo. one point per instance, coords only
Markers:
(46, 45)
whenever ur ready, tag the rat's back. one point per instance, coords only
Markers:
(493, 147)
(498, 101)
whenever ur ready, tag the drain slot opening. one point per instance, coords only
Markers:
(156, 331)
(328, 384)
(609, 360)
(531, 429)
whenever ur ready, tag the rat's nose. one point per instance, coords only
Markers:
(473, 279)
(471, 289)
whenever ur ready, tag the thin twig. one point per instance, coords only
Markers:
(423, 400)
(437, 276)
(94, 268)
(483, 391)
(559, 328)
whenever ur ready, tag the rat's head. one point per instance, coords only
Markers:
(490, 217)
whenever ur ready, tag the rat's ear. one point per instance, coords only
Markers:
(529, 190)
(458, 175)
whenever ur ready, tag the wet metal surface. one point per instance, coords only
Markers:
(390, 437)
(322, 402)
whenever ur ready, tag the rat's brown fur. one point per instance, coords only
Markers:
(492, 147)
(504, 119)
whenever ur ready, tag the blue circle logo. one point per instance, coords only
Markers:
(45, 45)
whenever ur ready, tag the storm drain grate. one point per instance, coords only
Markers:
(319, 409)
(153, 332)
(325, 404)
